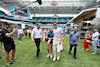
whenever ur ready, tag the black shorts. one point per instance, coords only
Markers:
(51, 42)
(26, 34)
(1, 40)
(9, 47)
(46, 39)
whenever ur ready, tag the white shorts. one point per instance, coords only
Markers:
(56, 45)
(50, 42)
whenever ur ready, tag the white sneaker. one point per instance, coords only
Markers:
(87, 49)
(14, 59)
(82, 48)
(48, 55)
(54, 59)
(9, 63)
(58, 58)
(20, 41)
(2, 46)
(2, 51)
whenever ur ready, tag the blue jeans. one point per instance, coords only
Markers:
(98, 41)
(94, 46)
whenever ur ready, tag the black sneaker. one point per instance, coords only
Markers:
(75, 57)
(69, 52)
(0, 57)
(39, 51)
(9, 63)
(37, 57)
(14, 59)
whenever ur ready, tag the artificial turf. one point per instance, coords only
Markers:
(26, 54)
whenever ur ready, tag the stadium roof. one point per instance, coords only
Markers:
(62, 6)
(50, 8)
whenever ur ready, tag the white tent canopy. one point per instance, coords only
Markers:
(95, 21)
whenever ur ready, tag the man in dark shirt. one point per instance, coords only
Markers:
(8, 41)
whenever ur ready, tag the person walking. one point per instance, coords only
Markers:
(37, 33)
(1, 39)
(50, 36)
(74, 38)
(95, 37)
(58, 37)
(9, 42)
(20, 34)
(1, 51)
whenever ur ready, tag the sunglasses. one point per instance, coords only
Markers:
(54, 24)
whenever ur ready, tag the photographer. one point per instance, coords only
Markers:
(9, 42)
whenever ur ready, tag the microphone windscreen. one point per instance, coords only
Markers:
(39, 1)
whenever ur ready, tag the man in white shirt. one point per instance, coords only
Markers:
(95, 37)
(20, 34)
(47, 30)
(58, 37)
(37, 33)
(29, 32)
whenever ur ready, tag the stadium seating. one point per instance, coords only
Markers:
(50, 19)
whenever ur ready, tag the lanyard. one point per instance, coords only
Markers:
(9, 32)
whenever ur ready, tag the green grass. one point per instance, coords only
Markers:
(26, 53)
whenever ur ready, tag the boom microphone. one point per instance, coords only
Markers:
(39, 1)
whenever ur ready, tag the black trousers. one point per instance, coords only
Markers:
(29, 35)
(37, 42)
(75, 49)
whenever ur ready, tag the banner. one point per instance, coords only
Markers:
(28, 12)
(12, 10)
